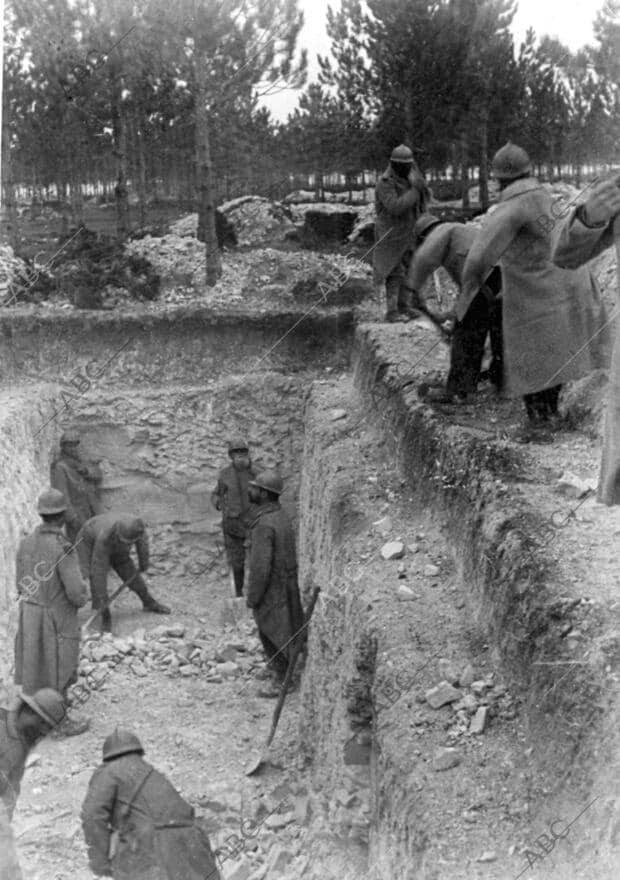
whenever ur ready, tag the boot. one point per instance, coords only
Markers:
(238, 576)
(439, 394)
(392, 315)
(155, 607)
(408, 303)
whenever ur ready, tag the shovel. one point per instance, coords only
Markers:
(114, 595)
(259, 759)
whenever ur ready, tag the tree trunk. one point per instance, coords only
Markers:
(119, 134)
(139, 153)
(464, 170)
(206, 202)
(9, 220)
(483, 172)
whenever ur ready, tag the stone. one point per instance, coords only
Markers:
(279, 858)
(227, 669)
(103, 652)
(487, 856)
(445, 759)
(448, 671)
(441, 694)
(175, 630)
(572, 486)
(393, 550)
(338, 414)
(479, 720)
(226, 654)
(240, 872)
(139, 669)
(467, 676)
(468, 703)
(479, 687)
(383, 526)
(431, 570)
(405, 593)
(279, 820)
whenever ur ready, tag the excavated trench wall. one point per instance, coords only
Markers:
(156, 398)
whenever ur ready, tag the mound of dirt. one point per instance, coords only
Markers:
(257, 220)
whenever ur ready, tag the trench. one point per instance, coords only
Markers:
(156, 398)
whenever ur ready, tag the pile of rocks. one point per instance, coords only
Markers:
(16, 277)
(256, 219)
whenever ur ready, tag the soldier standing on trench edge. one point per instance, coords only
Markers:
(231, 496)
(20, 730)
(79, 482)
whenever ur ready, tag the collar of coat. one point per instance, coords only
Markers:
(269, 507)
(46, 528)
(527, 184)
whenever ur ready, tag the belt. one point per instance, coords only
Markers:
(162, 827)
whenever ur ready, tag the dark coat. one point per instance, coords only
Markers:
(98, 545)
(78, 482)
(576, 245)
(550, 316)
(13, 753)
(51, 589)
(446, 245)
(231, 497)
(159, 838)
(398, 204)
(273, 591)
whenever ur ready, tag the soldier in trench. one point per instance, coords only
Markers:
(231, 497)
(50, 590)
(273, 591)
(21, 728)
(79, 482)
(137, 825)
(105, 542)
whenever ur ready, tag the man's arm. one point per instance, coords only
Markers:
(428, 257)
(216, 496)
(71, 577)
(97, 812)
(394, 204)
(261, 559)
(142, 549)
(99, 566)
(579, 243)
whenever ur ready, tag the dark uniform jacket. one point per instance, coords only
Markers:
(158, 836)
(398, 204)
(13, 754)
(231, 497)
(447, 245)
(51, 589)
(98, 544)
(273, 591)
(78, 482)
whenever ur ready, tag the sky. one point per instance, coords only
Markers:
(569, 21)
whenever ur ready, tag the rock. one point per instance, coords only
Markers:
(469, 703)
(467, 676)
(441, 694)
(393, 550)
(448, 671)
(338, 414)
(478, 722)
(405, 593)
(383, 526)
(240, 872)
(103, 652)
(445, 759)
(123, 646)
(279, 820)
(279, 858)
(175, 630)
(139, 669)
(487, 856)
(431, 570)
(226, 655)
(572, 486)
(479, 687)
(227, 669)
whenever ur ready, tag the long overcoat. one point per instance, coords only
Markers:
(398, 204)
(78, 482)
(551, 317)
(231, 496)
(576, 245)
(13, 753)
(273, 590)
(157, 838)
(50, 589)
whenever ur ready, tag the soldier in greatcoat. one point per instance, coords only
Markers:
(105, 542)
(79, 482)
(136, 824)
(551, 318)
(232, 498)
(50, 589)
(273, 590)
(401, 195)
(21, 728)
(590, 229)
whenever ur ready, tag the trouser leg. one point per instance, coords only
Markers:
(393, 285)
(541, 405)
(467, 348)
(496, 369)
(277, 661)
(126, 569)
(235, 552)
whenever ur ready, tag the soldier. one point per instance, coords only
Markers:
(447, 244)
(136, 824)
(232, 498)
(50, 589)
(78, 481)
(273, 592)
(401, 196)
(105, 542)
(20, 730)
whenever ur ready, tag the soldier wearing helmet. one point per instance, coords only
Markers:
(105, 542)
(273, 591)
(50, 590)
(552, 318)
(32, 718)
(136, 824)
(401, 195)
(447, 244)
(231, 497)
(79, 482)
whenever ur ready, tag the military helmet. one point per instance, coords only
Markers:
(238, 444)
(48, 704)
(510, 162)
(121, 742)
(129, 529)
(69, 438)
(269, 480)
(424, 223)
(50, 502)
(402, 153)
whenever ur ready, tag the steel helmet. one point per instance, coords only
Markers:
(51, 501)
(424, 223)
(69, 438)
(238, 444)
(402, 153)
(510, 162)
(48, 704)
(269, 480)
(129, 529)
(121, 742)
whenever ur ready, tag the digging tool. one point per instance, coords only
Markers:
(114, 595)
(259, 760)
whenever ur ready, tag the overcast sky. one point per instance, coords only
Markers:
(569, 21)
